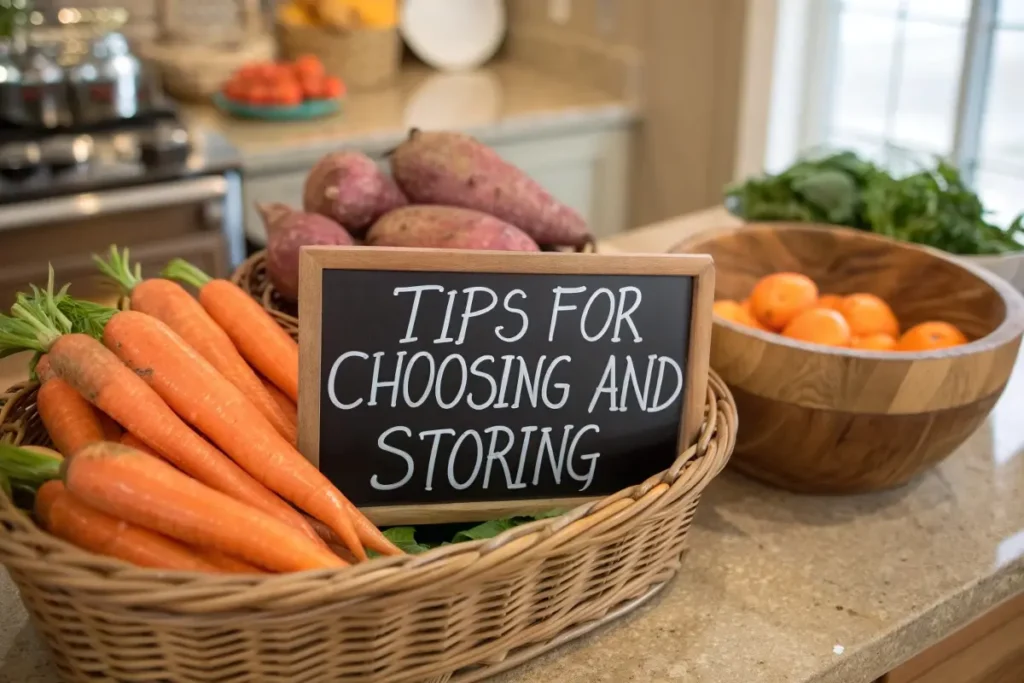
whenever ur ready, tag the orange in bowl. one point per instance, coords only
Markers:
(830, 301)
(778, 298)
(819, 326)
(880, 341)
(868, 314)
(930, 336)
(737, 313)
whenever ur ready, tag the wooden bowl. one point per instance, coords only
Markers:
(821, 419)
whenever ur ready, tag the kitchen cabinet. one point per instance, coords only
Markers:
(588, 171)
(989, 650)
(155, 237)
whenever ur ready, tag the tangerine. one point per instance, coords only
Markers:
(931, 335)
(779, 298)
(831, 301)
(731, 310)
(880, 341)
(819, 326)
(868, 314)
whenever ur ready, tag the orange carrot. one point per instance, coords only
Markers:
(131, 441)
(43, 369)
(261, 341)
(227, 563)
(132, 485)
(66, 517)
(369, 535)
(98, 375)
(169, 302)
(111, 430)
(69, 419)
(204, 399)
(285, 403)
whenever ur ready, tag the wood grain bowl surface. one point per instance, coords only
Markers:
(835, 420)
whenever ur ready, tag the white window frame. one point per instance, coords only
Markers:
(805, 59)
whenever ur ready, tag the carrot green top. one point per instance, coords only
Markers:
(27, 467)
(118, 268)
(183, 271)
(37, 321)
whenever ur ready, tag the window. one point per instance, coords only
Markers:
(901, 81)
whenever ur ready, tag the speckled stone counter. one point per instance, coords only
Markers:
(495, 103)
(780, 588)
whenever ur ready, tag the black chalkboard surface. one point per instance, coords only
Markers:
(443, 386)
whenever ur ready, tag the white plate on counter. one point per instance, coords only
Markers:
(453, 35)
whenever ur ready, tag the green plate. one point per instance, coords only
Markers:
(310, 109)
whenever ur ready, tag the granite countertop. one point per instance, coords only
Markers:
(498, 102)
(780, 588)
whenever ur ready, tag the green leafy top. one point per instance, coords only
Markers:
(39, 319)
(931, 206)
(405, 536)
(118, 268)
(27, 467)
(181, 270)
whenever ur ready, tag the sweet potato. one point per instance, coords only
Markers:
(458, 170)
(349, 188)
(287, 232)
(447, 227)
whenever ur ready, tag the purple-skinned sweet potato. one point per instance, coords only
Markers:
(287, 232)
(349, 188)
(447, 227)
(458, 170)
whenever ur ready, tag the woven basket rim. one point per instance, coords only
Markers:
(137, 588)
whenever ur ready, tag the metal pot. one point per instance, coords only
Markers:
(109, 84)
(43, 89)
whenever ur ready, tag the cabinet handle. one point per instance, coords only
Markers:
(91, 204)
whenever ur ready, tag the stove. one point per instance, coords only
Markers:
(154, 184)
(156, 147)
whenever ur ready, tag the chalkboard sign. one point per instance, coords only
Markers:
(450, 386)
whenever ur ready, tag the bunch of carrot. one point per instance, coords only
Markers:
(177, 424)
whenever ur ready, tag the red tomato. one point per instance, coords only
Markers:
(308, 66)
(266, 72)
(235, 90)
(288, 94)
(311, 87)
(332, 88)
(248, 71)
(259, 93)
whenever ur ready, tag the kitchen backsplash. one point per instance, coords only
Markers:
(596, 41)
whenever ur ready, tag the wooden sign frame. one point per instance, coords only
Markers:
(314, 260)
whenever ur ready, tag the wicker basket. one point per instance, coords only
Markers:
(201, 43)
(196, 72)
(363, 58)
(457, 613)
(252, 277)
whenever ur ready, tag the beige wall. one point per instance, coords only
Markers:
(699, 70)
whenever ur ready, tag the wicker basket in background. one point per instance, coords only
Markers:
(457, 613)
(202, 42)
(363, 58)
